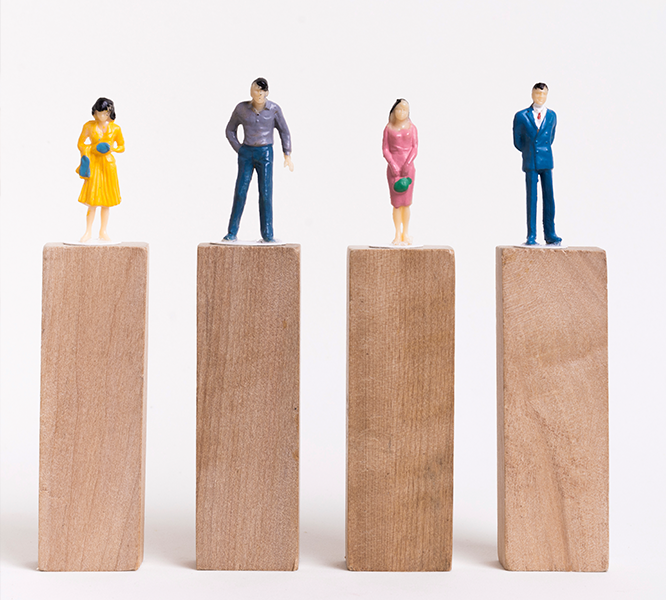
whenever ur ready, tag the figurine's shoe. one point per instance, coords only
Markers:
(530, 241)
(556, 241)
(269, 240)
(229, 238)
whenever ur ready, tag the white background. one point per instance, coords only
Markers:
(175, 71)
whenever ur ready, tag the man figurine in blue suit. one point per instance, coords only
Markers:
(533, 135)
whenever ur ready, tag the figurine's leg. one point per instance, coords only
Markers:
(549, 208)
(397, 221)
(90, 217)
(240, 193)
(104, 216)
(405, 214)
(264, 166)
(531, 178)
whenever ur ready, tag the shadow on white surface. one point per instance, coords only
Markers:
(19, 540)
(323, 542)
(169, 538)
(473, 547)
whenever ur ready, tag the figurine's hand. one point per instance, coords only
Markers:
(288, 162)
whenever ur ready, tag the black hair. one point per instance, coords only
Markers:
(103, 104)
(540, 86)
(398, 101)
(261, 83)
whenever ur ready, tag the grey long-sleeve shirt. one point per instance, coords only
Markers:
(258, 127)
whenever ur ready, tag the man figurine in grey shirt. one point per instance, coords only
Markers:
(258, 118)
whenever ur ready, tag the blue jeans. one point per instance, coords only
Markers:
(531, 178)
(259, 158)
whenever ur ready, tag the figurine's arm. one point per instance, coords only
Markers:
(81, 144)
(413, 152)
(120, 141)
(552, 134)
(517, 133)
(395, 170)
(232, 130)
(285, 137)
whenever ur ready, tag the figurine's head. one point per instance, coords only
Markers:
(399, 111)
(539, 94)
(259, 91)
(104, 105)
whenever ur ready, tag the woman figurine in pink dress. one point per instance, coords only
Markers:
(401, 144)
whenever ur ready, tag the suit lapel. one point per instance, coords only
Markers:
(547, 120)
(530, 117)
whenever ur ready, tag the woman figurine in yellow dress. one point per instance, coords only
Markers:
(99, 138)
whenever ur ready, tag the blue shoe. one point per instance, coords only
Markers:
(531, 241)
(556, 241)
(269, 240)
(230, 237)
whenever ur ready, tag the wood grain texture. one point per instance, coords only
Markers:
(552, 363)
(400, 408)
(93, 408)
(248, 323)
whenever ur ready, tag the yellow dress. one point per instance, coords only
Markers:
(101, 188)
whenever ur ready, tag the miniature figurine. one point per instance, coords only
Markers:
(533, 135)
(258, 117)
(99, 138)
(400, 146)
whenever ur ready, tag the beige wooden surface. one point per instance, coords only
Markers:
(248, 321)
(552, 361)
(401, 317)
(93, 408)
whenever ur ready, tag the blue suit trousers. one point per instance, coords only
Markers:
(531, 178)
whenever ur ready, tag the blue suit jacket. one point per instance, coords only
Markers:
(534, 143)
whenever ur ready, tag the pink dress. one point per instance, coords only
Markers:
(400, 149)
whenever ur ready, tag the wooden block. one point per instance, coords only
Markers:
(400, 408)
(552, 364)
(93, 407)
(248, 322)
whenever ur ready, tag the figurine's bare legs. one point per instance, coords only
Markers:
(90, 217)
(105, 219)
(397, 223)
(405, 224)
(401, 222)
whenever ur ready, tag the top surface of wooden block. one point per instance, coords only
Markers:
(248, 246)
(398, 248)
(50, 245)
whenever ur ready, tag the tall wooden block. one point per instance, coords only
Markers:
(552, 364)
(93, 407)
(400, 408)
(248, 323)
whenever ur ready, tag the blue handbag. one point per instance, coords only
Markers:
(84, 167)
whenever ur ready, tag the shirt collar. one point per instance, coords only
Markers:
(266, 107)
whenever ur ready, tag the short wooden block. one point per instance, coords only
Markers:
(248, 323)
(93, 407)
(401, 318)
(552, 364)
